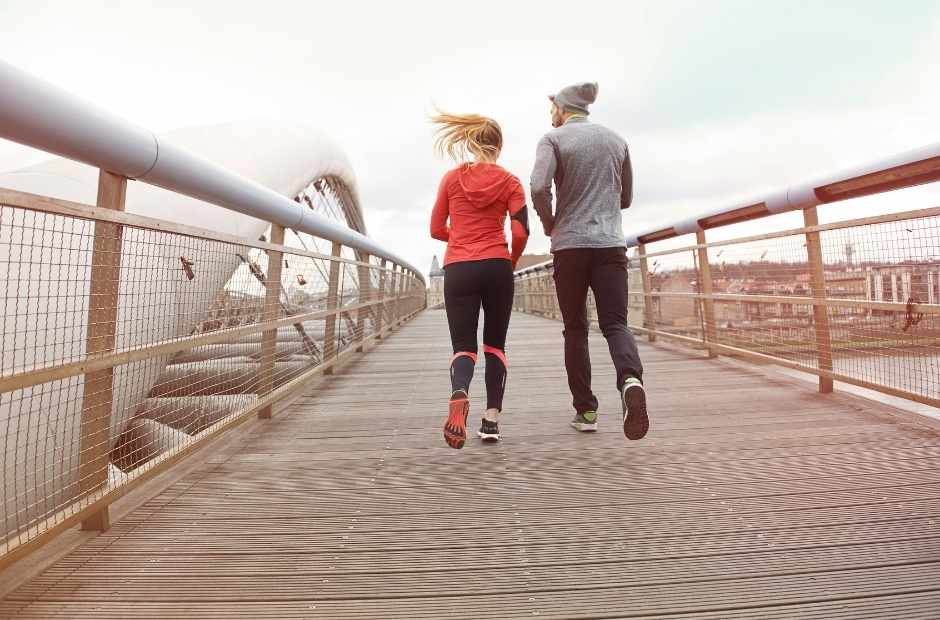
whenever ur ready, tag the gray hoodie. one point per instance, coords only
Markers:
(590, 166)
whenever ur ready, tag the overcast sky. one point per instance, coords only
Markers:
(717, 99)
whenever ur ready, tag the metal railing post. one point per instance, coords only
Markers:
(365, 286)
(649, 321)
(820, 312)
(97, 389)
(272, 304)
(332, 303)
(710, 333)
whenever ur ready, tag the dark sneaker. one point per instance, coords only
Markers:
(455, 429)
(489, 431)
(585, 422)
(636, 422)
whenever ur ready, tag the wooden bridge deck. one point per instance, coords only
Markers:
(751, 498)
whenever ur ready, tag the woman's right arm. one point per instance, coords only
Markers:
(440, 212)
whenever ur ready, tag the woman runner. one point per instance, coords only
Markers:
(470, 215)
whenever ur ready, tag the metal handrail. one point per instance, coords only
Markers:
(39, 114)
(907, 169)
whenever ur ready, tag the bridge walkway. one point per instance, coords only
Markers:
(752, 497)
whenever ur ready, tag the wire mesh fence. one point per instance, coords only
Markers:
(855, 301)
(124, 345)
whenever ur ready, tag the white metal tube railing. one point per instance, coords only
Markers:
(41, 115)
(915, 167)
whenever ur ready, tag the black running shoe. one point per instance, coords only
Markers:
(636, 422)
(489, 431)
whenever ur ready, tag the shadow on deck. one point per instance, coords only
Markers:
(751, 498)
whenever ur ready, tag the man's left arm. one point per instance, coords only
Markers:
(626, 180)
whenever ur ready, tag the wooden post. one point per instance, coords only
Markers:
(272, 305)
(541, 298)
(553, 298)
(396, 294)
(332, 303)
(97, 388)
(820, 313)
(365, 286)
(406, 295)
(649, 321)
(710, 334)
(380, 309)
(402, 301)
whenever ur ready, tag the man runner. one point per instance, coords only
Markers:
(590, 166)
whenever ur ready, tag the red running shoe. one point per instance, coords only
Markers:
(455, 430)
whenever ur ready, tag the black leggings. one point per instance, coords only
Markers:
(468, 286)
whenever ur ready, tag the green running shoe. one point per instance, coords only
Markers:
(636, 422)
(585, 422)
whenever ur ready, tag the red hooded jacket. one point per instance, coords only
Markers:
(476, 199)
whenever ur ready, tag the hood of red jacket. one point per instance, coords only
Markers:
(483, 184)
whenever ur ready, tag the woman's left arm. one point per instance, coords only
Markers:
(440, 212)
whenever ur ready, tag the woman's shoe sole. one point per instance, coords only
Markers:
(455, 429)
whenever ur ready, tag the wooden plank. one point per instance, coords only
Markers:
(272, 308)
(820, 313)
(794, 232)
(168, 347)
(382, 296)
(46, 204)
(365, 296)
(829, 302)
(329, 331)
(97, 400)
(705, 278)
(649, 318)
(749, 499)
(785, 363)
(42, 533)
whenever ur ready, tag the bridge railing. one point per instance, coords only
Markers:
(126, 341)
(855, 301)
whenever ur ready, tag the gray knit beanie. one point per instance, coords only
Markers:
(576, 98)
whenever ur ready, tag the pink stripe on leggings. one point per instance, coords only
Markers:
(498, 353)
(471, 354)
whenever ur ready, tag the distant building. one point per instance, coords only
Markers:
(435, 284)
(900, 283)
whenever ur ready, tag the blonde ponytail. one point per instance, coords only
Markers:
(463, 137)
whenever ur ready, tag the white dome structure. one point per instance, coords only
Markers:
(49, 324)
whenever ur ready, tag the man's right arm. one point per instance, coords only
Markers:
(541, 183)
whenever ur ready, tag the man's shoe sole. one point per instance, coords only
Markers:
(636, 422)
(584, 427)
